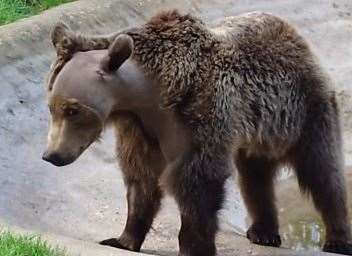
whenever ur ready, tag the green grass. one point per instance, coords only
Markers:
(12, 10)
(18, 245)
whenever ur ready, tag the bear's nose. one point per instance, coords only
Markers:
(53, 158)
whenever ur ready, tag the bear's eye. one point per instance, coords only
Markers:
(51, 109)
(71, 112)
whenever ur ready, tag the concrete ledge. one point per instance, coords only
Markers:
(76, 247)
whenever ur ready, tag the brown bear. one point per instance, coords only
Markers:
(190, 104)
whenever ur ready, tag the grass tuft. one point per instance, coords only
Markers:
(19, 245)
(12, 10)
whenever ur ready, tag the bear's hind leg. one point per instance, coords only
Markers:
(319, 168)
(256, 177)
(325, 182)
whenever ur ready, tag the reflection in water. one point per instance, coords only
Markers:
(300, 225)
(304, 234)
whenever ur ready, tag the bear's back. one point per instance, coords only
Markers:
(268, 61)
(257, 26)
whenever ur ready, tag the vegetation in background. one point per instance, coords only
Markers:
(11, 10)
(18, 245)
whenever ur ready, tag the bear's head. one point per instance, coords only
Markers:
(85, 92)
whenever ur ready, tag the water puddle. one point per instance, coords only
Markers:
(300, 225)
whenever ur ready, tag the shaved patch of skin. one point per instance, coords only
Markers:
(128, 89)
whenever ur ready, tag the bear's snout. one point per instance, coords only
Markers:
(56, 159)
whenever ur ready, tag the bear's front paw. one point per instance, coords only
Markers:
(263, 236)
(118, 243)
(121, 244)
(113, 242)
(338, 247)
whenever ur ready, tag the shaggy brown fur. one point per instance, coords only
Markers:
(251, 90)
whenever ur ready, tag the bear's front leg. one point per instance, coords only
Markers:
(141, 163)
(197, 183)
(143, 203)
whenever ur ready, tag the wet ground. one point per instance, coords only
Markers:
(86, 200)
(301, 226)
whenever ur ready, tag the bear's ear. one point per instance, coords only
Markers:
(62, 37)
(119, 51)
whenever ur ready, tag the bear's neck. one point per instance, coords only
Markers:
(137, 93)
(165, 125)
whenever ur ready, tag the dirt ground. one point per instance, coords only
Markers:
(86, 200)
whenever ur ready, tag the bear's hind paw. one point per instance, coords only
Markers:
(338, 247)
(263, 237)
